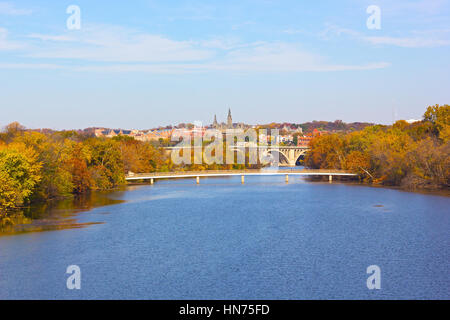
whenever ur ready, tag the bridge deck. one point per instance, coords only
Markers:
(224, 173)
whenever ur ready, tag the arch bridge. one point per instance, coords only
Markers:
(288, 156)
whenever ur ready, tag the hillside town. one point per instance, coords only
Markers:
(289, 133)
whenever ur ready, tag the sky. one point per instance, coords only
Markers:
(144, 63)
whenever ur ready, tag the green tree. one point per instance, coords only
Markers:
(20, 173)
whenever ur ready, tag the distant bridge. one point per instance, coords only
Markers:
(288, 155)
(226, 173)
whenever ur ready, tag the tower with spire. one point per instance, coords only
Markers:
(215, 124)
(229, 120)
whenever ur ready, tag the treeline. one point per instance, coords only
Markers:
(308, 127)
(413, 156)
(337, 125)
(35, 166)
(39, 166)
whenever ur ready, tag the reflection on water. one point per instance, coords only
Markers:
(266, 239)
(55, 215)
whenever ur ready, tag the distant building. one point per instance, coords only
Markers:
(305, 140)
(285, 139)
(229, 120)
(147, 135)
(229, 125)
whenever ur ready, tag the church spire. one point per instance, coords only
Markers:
(229, 119)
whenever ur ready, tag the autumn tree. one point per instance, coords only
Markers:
(20, 172)
(439, 116)
(413, 155)
(106, 165)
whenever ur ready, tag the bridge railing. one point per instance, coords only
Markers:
(242, 146)
(206, 172)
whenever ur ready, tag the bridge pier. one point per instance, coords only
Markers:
(152, 181)
(330, 178)
(242, 179)
(287, 178)
(198, 180)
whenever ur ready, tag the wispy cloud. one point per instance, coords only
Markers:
(46, 37)
(5, 43)
(7, 8)
(30, 66)
(421, 7)
(283, 57)
(407, 42)
(333, 31)
(294, 31)
(116, 44)
(416, 39)
(102, 48)
(199, 68)
(261, 57)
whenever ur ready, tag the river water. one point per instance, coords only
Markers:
(224, 240)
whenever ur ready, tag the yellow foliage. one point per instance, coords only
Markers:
(411, 155)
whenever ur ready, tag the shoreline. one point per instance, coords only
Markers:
(436, 192)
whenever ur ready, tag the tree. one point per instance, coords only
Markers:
(410, 155)
(76, 163)
(439, 116)
(326, 152)
(10, 131)
(107, 168)
(430, 165)
(359, 162)
(20, 173)
(52, 152)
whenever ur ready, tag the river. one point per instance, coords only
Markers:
(223, 240)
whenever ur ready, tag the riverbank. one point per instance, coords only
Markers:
(444, 191)
(57, 214)
(413, 156)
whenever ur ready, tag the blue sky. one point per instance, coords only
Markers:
(143, 63)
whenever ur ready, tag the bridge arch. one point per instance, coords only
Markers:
(282, 157)
(287, 155)
(299, 158)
